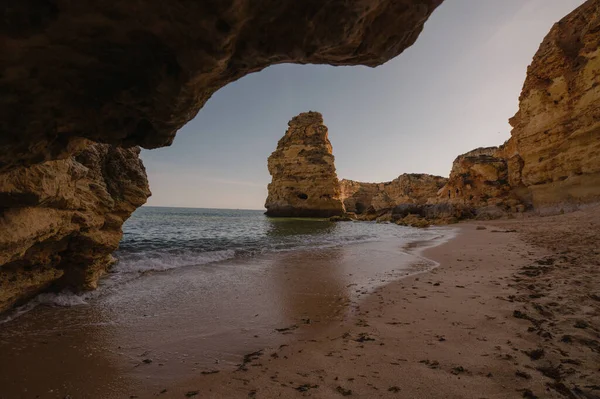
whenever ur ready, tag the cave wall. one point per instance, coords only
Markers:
(82, 81)
(132, 73)
(61, 220)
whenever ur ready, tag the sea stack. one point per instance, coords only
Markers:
(304, 183)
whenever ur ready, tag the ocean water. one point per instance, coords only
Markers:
(196, 289)
(160, 238)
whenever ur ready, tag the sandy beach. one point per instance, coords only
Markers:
(146, 330)
(512, 311)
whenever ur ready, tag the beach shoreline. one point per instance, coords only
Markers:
(147, 331)
(504, 313)
(471, 328)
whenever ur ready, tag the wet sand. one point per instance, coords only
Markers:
(513, 311)
(160, 330)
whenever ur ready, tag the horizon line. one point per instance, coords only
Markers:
(201, 207)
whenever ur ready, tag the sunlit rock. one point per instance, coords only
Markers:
(361, 198)
(304, 180)
(555, 141)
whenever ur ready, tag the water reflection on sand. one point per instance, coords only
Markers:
(148, 333)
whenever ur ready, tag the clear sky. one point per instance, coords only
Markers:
(451, 92)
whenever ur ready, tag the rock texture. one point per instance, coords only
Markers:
(552, 159)
(61, 220)
(554, 150)
(369, 198)
(74, 74)
(304, 180)
(132, 73)
(480, 179)
(77, 73)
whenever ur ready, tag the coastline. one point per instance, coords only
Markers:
(470, 328)
(473, 326)
(162, 328)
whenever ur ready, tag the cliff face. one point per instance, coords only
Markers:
(478, 179)
(137, 73)
(304, 180)
(61, 220)
(555, 142)
(553, 156)
(363, 198)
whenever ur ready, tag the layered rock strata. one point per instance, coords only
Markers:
(554, 149)
(61, 220)
(552, 159)
(369, 198)
(304, 182)
(126, 74)
(479, 179)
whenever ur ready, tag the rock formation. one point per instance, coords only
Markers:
(78, 73)
(61, 220)
(74, 74)
(372, 198)
(411, 200)
(129, 73)
(554, 149)
(479, 179)
(304, 180)
(553, 156)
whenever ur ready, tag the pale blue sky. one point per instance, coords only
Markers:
(451, 92)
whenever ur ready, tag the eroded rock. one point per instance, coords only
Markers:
(552, 159)
(373, 198)
(129, 73)
(304, 182)
(77, 73)
(61, 220)
(479, 179)
(555, 142)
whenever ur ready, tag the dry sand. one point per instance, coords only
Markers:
(512, 311)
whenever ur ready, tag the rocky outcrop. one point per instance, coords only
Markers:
(129, 73)
(479, 179)
(61, 220)
(421, 215)
(372, 198)
(74, 74)
(553, 154)
(552, 158)
(304, 180)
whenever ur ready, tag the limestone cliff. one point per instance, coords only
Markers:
(132, 73)
(553, 156)
(363, 198)
(61, 220)
(478, 179)
(554, 150)
(304, 180)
